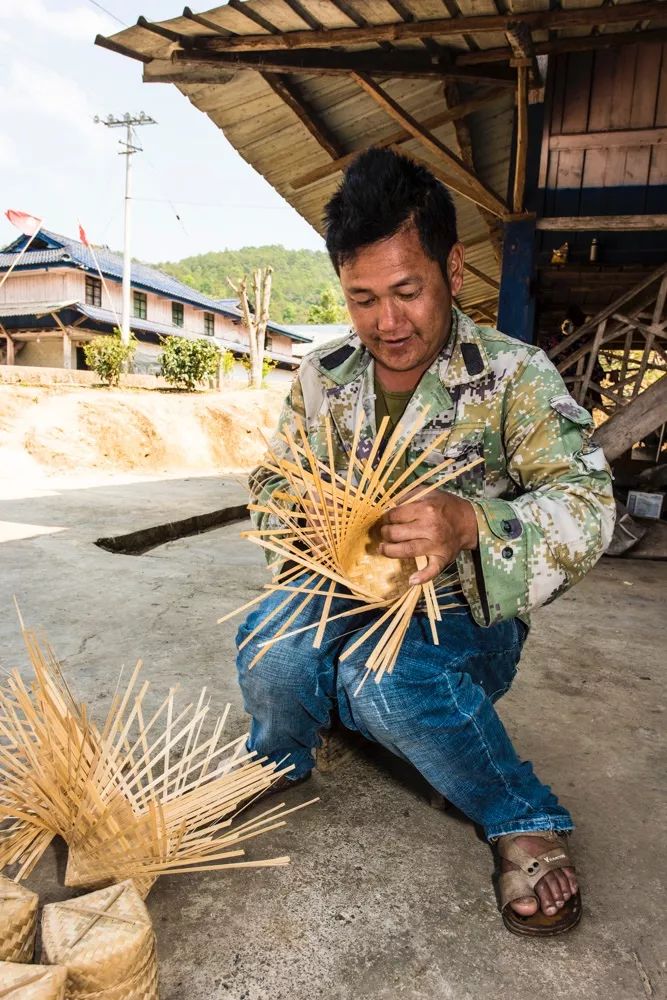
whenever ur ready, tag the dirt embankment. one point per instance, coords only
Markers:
(60, 429)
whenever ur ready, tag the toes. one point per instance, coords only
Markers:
(525, 906)
(571, 877)
(546, 898)
(563, 884)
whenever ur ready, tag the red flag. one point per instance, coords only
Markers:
(28, 224)
(82, 236)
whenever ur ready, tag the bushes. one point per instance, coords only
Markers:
(108, 355)
(184, 363)
(268, 364)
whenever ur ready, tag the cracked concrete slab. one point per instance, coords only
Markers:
(385, 898)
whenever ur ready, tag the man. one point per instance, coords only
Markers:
(518, 529)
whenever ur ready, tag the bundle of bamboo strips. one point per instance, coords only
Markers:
(329, 535)
(18, 921)
(105, 940)
(32, 982)
(144, 795)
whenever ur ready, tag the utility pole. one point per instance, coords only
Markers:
(130, 146)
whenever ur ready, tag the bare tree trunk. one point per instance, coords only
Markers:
(255, 323)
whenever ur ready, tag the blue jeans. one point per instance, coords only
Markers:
(435, 710)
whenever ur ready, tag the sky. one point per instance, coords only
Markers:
(56, 163)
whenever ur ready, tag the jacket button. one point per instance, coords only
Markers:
(507, 527)
(507, 552)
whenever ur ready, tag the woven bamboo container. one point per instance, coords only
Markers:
(32, 982)
(18, 921)
(106, 942)
(77, 874)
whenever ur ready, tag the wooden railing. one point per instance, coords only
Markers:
(613, 356)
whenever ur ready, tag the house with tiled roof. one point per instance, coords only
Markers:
(54, 301)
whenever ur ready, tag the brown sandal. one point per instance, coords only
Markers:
(520, 883)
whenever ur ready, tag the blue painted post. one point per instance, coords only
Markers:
(516, 298)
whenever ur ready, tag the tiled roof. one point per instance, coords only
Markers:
(65, 250)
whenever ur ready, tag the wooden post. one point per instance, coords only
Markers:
(521, 138)
(11, 353)
(67, 350)
(516, 299)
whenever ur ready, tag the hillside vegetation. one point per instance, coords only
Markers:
(300, 277)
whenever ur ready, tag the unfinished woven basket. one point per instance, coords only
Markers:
(324, 527)
(105, 940)
(151, 792)
(18, 921)
(32, 982)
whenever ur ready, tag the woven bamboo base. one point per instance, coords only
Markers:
(32, 982)
(105, 940)
(77, 876)
(18, 921)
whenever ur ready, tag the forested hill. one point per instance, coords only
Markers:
(299, 277)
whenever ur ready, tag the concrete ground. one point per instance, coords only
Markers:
(385, 897)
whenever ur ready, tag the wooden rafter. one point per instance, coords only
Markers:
(474, 188)
(481, 275)
(398, 138)
(302, 11)
(443, 27)
(586, 43)
(350, 11)
(289, 93)
(252, 15)
(397, 63)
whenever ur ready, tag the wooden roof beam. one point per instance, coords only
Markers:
(474, 188)
(396, 63)
(398, 138)
(588, 43)
(446, 26)
(346, 8)
(243, 8)
(288, 92)
(206, 22)
(301, 11)
(486, 278)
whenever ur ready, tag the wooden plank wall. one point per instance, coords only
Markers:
(597, 93)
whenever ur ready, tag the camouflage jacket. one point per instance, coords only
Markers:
(542, 495)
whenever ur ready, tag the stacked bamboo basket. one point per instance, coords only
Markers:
(328, 535)
(106, 942)
(32, 982)
(18, 921)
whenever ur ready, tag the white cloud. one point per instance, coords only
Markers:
(34, 92)
(72, 22)
(8, 150)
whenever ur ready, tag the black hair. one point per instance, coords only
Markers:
(381, 193)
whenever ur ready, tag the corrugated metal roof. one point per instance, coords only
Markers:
(71, 251)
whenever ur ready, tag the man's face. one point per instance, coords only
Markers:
(399, 301)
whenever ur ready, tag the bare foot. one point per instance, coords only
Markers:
(553, 890)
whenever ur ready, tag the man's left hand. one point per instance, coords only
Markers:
(438, 527)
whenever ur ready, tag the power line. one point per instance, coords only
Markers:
(108, 12)
(221, 204)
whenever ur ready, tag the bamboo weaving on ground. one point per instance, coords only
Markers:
(146, 794)
(328, 537)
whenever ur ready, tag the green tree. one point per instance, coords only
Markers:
(184, 363)
(329, 310)
(298, 279)
(107, 355)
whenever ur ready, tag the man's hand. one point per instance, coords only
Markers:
(438, 527)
